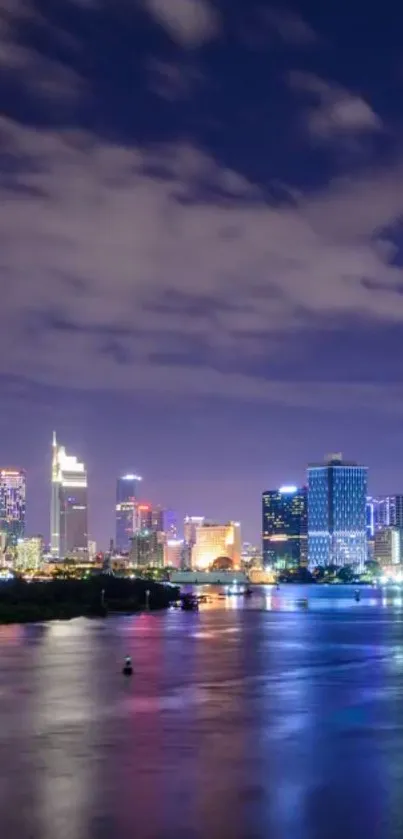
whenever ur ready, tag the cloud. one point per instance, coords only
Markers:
(189, 22)
(289, 27)
(160, 270)
(48, 78)
(171, 80)
(336, 111)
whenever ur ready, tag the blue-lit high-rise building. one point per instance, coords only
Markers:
(337, 496)
(284, 527)
(127, 496)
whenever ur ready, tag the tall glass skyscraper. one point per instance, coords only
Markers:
(69, 508)
(12, 505)
(284, 527)
(127, 495)
(337, 493)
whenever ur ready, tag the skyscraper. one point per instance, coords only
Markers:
(164, 521)
(190, 525)
(284, 527)
(144, 520)
(127, 493)
(158, 519)
(68, 516)
(337, 492)
(146, 549)
(384, 511)
(12, 504)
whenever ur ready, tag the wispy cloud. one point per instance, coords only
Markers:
(335, 111)
(289, 27)
(190, 22)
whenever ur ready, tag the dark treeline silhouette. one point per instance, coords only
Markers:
(21, 601)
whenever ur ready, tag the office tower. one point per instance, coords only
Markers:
(29, 554)
(215, 541)
(12, 504)
(284, 527)
(190, 524)
(144, 518)
(146, 549)
(170, 524)
(173, 553)
(163, 521)
(384, 511)
(387, 546)
(337, 492)
(158, 519)
(127, 494)
(69, 531)
(92, 550)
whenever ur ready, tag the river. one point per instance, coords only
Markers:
(251, 719)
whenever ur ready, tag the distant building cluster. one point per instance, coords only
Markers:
(331, 521)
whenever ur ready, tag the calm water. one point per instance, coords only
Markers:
(242, 721)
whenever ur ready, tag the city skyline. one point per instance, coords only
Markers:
(204, 276)
(201, 228)
(241, 498)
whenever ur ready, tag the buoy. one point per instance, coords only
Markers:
(127, 667)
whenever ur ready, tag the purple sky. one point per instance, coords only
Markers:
(201, 246)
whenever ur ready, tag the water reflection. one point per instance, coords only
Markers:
(249, 718)
(291, 597)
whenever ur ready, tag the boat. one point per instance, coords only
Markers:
(302, 603)
(189, 603)
(236, 590)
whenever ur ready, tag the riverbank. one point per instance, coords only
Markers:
(24, 602)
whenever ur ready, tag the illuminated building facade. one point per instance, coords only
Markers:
(29, 554)
(337, 493)
(127, 493)
(146, 549)
(387, 546)
(190, 525)
(12, 504)
(168, 520)
(384, 511)
(157, 519)
(144, 518)
(173, 553)
(284, 527)
(213, 541)
(69, 508)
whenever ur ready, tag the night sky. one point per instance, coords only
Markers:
(201, 246)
